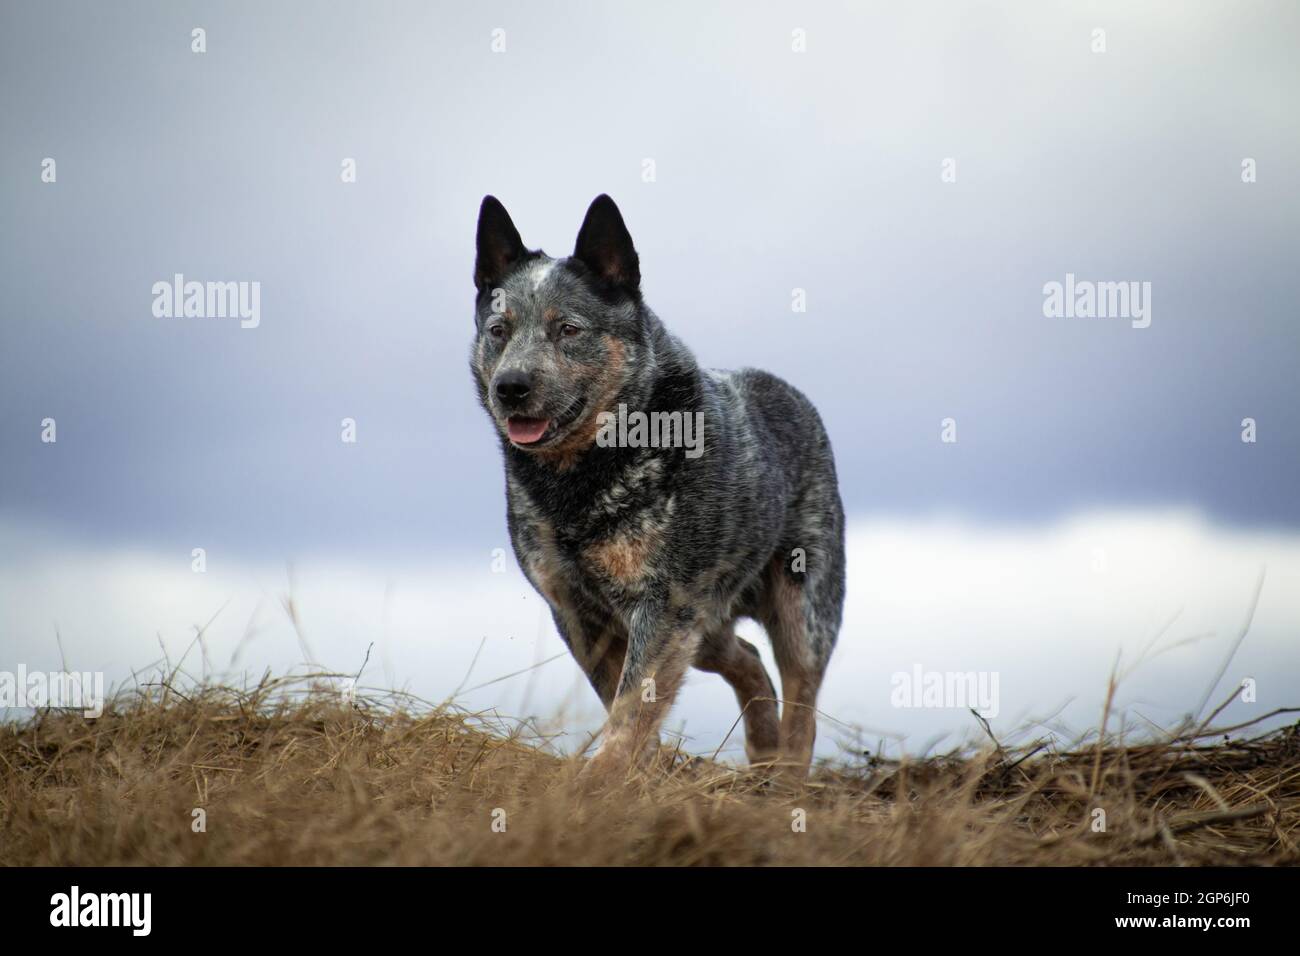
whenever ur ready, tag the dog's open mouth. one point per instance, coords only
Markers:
(537, 431)
(526, 431)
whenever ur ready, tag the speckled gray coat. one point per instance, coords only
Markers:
(647, 555)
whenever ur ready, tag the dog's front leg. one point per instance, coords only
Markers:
(661, 646)
(597, 647)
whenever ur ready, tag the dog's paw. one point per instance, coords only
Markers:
(599, 775)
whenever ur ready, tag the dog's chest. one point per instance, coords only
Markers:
(612, 551)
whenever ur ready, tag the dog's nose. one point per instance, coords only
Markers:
(512, 387)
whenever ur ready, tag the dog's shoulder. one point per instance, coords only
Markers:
(768, 401)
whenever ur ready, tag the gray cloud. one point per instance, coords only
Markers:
(774, 171)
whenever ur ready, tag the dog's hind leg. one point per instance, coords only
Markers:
(722, 652)
(800, 609)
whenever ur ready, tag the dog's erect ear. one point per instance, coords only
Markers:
(499, 245)
(605, 247)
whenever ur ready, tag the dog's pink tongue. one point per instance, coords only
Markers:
(525, 431)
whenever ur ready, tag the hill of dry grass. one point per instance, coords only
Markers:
(288, 773)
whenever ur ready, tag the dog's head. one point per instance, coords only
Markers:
(558, 340)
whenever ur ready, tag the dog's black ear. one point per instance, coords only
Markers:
(499, 245)
(605, 247)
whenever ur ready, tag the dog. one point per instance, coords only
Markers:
(647, 551)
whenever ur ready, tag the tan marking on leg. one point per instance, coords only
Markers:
(784, 606)
(798, 723)
(741, 667)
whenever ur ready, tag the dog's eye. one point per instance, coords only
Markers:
(568, 331)
(497, 331)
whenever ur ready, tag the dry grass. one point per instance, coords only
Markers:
(288, 774)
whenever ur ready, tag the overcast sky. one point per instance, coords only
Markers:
(774, 170)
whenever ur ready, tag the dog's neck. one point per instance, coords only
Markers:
(596, 487)
(597, 484)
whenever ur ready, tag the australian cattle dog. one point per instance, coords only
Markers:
(652, 502)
